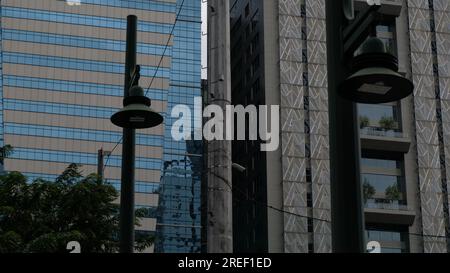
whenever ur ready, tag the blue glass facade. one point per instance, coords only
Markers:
(61, 78)
(179, 223)
(1, 86)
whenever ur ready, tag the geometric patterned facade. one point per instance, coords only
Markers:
(304, 124)
(304, 120)
(429, 24)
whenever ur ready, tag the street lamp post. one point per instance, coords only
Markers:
(370, 77)
(346, 203)
(136, 114)
(126, 223)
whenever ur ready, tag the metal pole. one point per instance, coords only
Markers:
(128, 149)
(347, 213)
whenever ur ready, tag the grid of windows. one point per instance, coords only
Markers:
(76, 19)
(382, 119)
(80, 134)
(179, 187)
(150, 212)
(78, 64)
(75, 87)
(80, 158)
(140, 187)
(78, 41)
(178, 223)
(382, 174)
(59, 108)
(1, 89)
(155, 5)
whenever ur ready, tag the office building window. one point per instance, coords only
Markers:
(391, 239)
(386, 32)
(383, 181)
(380, 119)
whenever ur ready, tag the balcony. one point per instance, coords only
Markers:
(386, 204)
(380, 132)
(385, 211)
(388, 7)
(376, 138)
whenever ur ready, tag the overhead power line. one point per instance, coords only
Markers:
(153, 77)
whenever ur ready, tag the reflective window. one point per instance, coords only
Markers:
(383, 182)
(80, 134)
(59, 108)
(392, 241)
(178, 226)
(379, 116)
(76, 87)
(386, 33)
(79, 64)
(79, 158)
(155, 5)
(140, 186)
(76, 19)
(380, 163)
(77, 41)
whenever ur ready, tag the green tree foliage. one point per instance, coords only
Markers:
(43, 216)
(5, 151)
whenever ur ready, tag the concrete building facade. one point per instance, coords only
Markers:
(278, 57)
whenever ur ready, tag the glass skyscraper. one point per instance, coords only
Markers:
(179, 223)
(61, 78)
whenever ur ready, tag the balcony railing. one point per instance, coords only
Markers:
(386, 204)
(377, 131)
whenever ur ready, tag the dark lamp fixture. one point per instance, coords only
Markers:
(136, 113)
(375, 77)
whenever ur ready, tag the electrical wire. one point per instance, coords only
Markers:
(153, 77)
(308, 217)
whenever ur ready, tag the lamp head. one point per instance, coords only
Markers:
(136, 112)
(374, 76)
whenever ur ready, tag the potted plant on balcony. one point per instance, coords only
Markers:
(368, 191)
(393, 194)
(363, 122)
(387, 123)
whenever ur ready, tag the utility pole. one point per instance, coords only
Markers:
(128, 147)
(219, 204)
(100, 162)
(347, 213)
